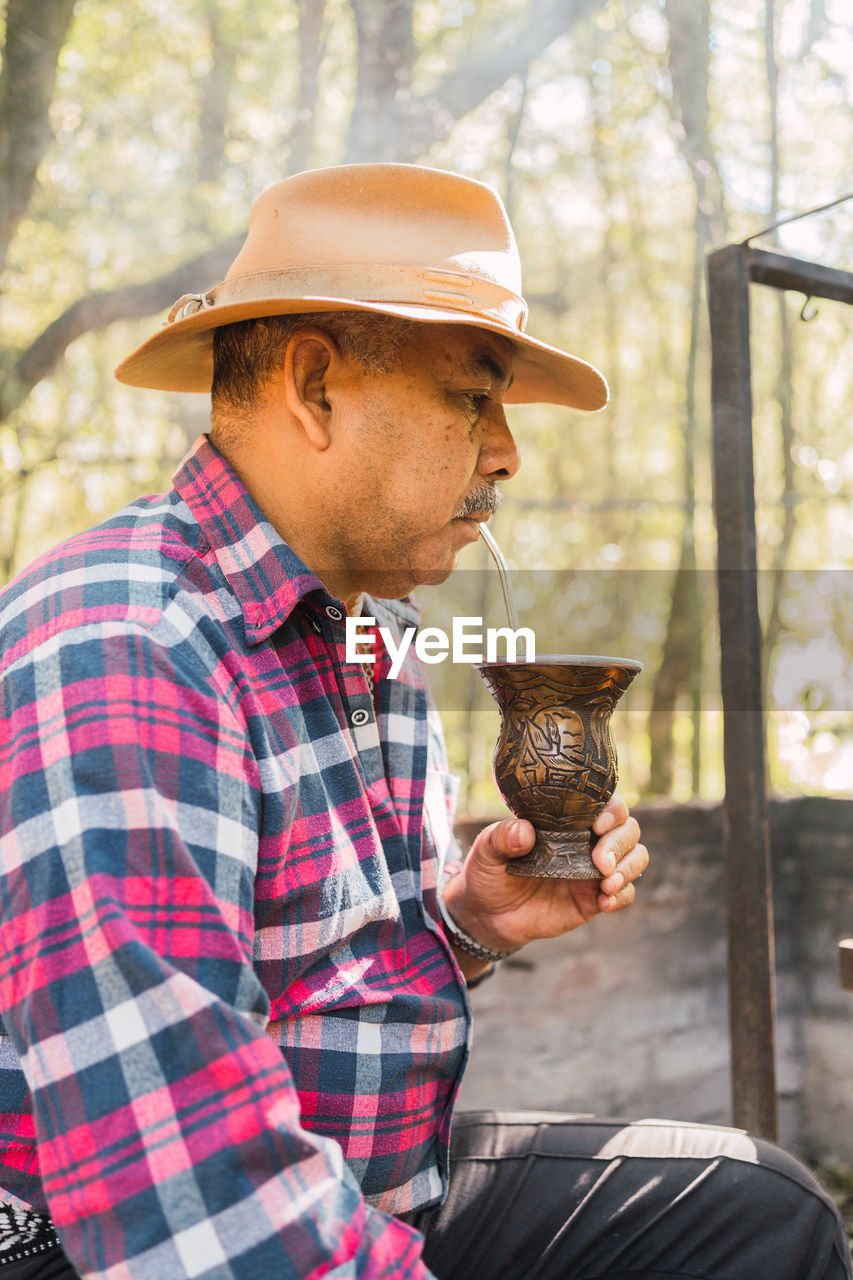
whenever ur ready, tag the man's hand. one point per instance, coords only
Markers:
(505, 912)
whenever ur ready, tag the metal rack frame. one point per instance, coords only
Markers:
(749, 903)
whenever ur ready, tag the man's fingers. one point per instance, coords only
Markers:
(619, 856)
(615, 846)
(610, 902)
(612, 815)
(628, 869)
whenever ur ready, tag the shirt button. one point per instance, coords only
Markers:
(360, 717)
(334, 612)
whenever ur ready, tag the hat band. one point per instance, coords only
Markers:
(360, 282)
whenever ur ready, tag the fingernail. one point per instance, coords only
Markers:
(515, 834)
(604, 822)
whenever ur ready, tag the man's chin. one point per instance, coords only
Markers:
(388, 585)
(434, 577)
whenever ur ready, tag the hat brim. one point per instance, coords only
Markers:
(179, 357)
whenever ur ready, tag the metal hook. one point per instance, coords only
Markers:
(814, 311)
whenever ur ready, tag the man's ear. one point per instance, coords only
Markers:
(310, 355)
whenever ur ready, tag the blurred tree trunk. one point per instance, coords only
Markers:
(608, 262)
(680, 671)
(515, 123)
(35, 34)
(215, 93)
(783, 389)
(312, 47)
(378, 127)
(815, 28)
(783, 394)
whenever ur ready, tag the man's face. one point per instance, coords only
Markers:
(416, 458)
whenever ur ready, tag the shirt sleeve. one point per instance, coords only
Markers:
(167, 1122)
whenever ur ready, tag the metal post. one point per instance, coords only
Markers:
(749, 908)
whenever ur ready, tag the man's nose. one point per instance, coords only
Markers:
(499, 457)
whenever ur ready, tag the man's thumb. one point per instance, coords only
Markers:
(513, 837)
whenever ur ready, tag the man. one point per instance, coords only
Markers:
(233, 961)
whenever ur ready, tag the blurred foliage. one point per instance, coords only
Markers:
(627, 137)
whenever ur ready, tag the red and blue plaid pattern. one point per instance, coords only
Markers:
(234, 1030)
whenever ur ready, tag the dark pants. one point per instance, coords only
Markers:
(50, 1265)
(552, 1197)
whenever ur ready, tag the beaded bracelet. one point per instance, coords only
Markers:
(465, 942)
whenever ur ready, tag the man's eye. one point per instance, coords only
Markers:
(476, 399)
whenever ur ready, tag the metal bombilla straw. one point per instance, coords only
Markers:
(503, 574)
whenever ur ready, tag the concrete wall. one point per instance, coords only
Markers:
(628, 1015)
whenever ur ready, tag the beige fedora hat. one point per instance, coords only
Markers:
(399, 239)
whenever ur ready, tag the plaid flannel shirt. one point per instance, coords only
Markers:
(234, 1030)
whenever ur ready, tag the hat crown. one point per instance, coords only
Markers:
(381, 215)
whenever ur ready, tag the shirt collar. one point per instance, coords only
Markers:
(268, 578)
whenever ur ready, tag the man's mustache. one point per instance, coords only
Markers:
(487, 497)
